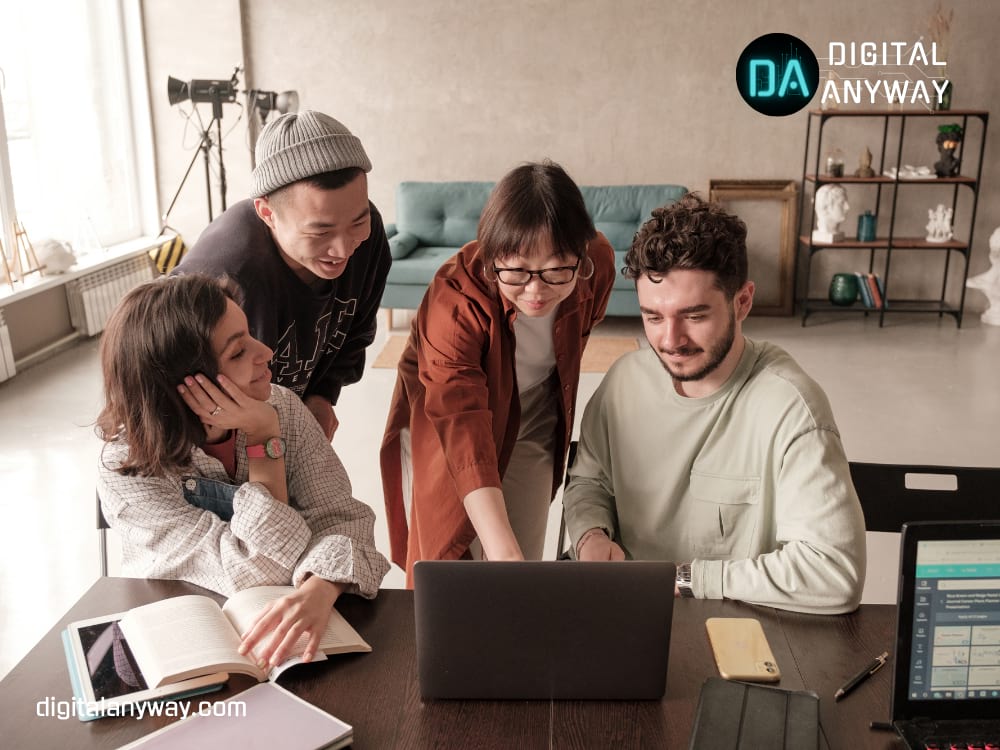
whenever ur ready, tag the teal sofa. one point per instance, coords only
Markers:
(434, 219)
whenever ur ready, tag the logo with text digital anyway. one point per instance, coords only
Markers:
(777, 74)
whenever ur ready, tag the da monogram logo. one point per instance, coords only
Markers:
(777, 74)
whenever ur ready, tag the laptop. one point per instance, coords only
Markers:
(946, 685)
(542, 630)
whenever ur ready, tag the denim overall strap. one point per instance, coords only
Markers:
(210, 495)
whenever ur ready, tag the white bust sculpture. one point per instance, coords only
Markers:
(989, 282)
(939, 224)
(831, 210)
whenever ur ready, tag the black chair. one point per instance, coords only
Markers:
(102, 531)
(893, 494)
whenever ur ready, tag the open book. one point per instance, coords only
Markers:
(187, 636)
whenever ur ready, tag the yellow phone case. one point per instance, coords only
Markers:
(741, 649)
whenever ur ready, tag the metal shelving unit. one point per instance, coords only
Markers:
(889, 243)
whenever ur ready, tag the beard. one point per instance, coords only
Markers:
(717, 352)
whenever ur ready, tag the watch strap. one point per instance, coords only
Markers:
(273, 447)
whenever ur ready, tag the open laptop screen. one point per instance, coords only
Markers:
(948, 633)
(956, 620)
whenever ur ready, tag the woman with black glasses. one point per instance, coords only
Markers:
(481, 417)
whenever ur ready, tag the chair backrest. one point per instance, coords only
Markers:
(893, 494)
(562, 551)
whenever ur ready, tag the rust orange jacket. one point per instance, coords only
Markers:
(457, 392)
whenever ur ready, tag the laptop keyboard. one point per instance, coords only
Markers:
(952, 743)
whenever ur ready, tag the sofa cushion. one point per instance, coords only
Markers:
(420, 266)
(619, 210)
(622, 282)
(441, 213)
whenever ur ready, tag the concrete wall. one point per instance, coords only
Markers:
(629, 91)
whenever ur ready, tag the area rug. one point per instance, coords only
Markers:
(599, 355)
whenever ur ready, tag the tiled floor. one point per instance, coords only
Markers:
(917, 391)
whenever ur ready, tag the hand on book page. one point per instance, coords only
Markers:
(292, 625)
(283, 624)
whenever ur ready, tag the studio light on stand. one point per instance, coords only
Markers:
(264, 102)
(215, 92)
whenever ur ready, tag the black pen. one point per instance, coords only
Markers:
(861, 676)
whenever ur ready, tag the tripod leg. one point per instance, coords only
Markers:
(202, 149)
(222, 166)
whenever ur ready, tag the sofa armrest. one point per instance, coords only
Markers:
(390, 230)
(402, 244)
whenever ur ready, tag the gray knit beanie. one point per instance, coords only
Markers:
(302, 144)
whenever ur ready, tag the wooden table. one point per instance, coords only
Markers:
(378, 693)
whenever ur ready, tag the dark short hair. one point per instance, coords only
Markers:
(160, 332)
(691, 234)
(534, 203)
(324, 181)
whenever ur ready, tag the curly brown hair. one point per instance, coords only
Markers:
(160, 332)
(691, 234)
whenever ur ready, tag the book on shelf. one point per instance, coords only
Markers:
(178, 645)
(864, 291)
(266, 715)
(881, 291)
(873, 288)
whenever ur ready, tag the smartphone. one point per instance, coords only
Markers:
(741, 649)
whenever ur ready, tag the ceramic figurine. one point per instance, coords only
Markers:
(939, 224)
(54, 256)
(948, 138)
(865, 165)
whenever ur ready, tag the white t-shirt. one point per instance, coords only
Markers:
(534, 355)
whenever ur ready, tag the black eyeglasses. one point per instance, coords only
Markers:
(522, 276)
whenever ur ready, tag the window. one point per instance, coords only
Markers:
(68, 164)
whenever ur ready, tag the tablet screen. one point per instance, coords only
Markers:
(109, 661)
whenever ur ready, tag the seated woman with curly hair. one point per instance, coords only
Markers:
(212, 475)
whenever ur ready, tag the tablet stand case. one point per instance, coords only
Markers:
(739, 715)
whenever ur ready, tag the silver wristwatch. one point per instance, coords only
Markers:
(684, 581)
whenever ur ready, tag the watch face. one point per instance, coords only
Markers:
(275, 447)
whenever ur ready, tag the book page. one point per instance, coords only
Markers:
(184, 636)
(339, 637)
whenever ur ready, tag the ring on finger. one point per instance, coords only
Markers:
(215, 411)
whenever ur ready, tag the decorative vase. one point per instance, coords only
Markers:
(944, 103)
(843, 289)
(866, 227)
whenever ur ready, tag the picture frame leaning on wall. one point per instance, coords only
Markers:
(771, 238)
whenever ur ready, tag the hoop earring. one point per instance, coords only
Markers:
(585, 271)
(489, 274)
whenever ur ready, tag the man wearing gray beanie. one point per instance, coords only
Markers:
(310, 253)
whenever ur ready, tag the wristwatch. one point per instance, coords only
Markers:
(684, 581)
(272, 448)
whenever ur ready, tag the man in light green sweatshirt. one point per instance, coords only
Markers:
(712, 450)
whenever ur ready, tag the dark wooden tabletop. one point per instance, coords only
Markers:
(378, 693)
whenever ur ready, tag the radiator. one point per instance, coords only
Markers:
(6, 353)
(93, 297)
